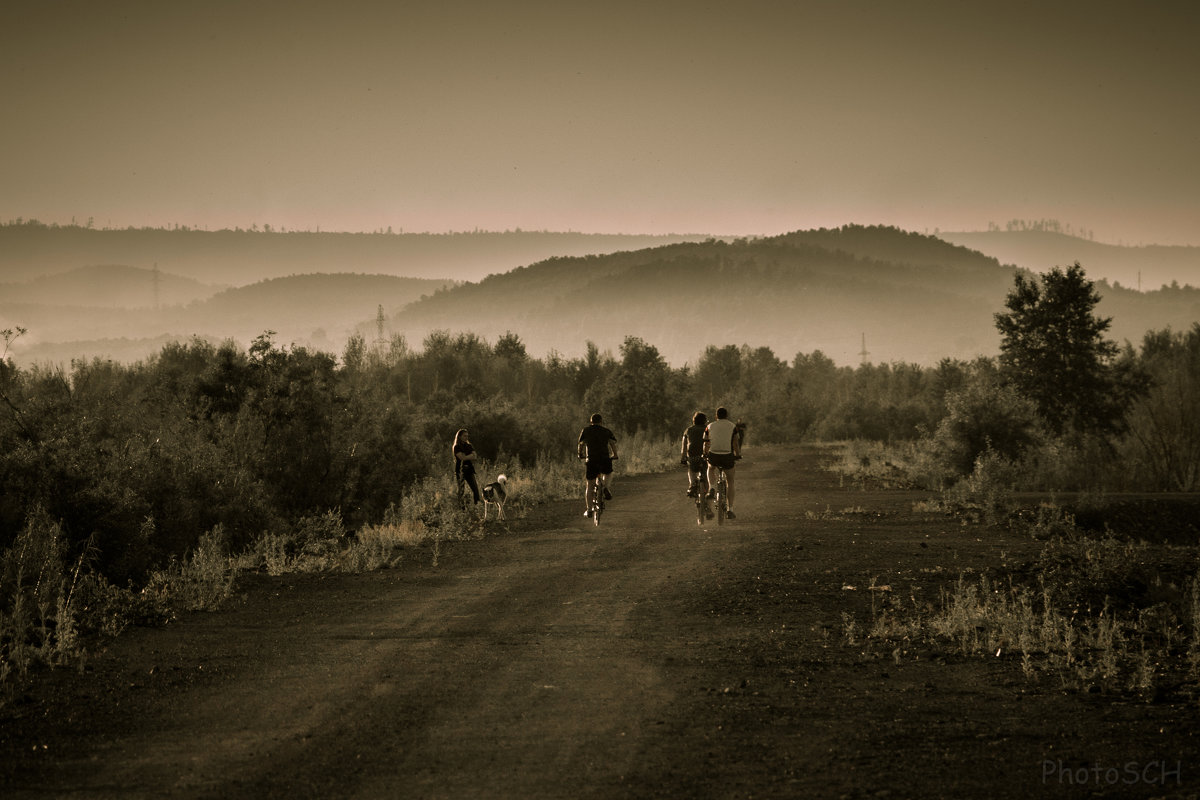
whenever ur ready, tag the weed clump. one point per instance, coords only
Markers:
(1105, 615)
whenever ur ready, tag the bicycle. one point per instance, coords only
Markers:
(721, 496)
(597, 507)
(721, 493)
(702, 511)
(696, 479)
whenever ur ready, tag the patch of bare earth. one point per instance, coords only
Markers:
(649, 657)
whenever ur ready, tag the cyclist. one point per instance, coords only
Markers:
(721, 449)
(598, 446)
(691, 453)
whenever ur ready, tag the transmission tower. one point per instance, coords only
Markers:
(863, 353)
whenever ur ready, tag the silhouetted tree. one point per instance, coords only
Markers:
(639, 395)
(1054, 352)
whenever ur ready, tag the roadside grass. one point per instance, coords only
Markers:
(38, 605)
(900, 465)
(1110, 607)
(53, 608)
(1099, 614)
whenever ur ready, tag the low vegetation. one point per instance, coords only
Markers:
(1050, 441)
(132, 493)
(1107, 613)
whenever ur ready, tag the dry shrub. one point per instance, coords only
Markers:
(38, 599)
(201, 582)
(1097, 614)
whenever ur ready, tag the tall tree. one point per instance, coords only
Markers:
(1054, 352)
(639, 396)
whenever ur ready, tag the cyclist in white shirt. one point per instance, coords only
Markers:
(721, 448)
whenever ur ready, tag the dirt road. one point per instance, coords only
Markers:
(646, 658)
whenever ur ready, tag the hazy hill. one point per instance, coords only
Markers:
(1039, 251)
(308, 308)
(316, 310)
(241, 257)
(914, 298)
(108, 285)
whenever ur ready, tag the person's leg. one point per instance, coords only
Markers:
(729, 481)
(474, 484)
(588, 493)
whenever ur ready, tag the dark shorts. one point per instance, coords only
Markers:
(723, 460)
(602, 466)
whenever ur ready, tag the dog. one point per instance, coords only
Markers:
(494, 494)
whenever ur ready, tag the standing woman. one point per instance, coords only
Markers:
(464, 465)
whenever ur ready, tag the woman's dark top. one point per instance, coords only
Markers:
(463, 468)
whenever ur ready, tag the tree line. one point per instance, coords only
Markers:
(139, 461)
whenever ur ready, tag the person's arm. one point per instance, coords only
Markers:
(580, 450)
(683, 448)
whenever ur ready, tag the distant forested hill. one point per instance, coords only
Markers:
(299, 306)
(911, 297)
(905, 296)
(1146, 267)
(108, 285)
(240, 257)
(313, 310)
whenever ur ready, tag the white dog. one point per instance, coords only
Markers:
(494, 494)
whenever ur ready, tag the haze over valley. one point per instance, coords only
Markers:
(856, 293)
(497, 146)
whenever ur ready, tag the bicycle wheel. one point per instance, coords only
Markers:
(721, 501)
(597, 510)
(699, 507)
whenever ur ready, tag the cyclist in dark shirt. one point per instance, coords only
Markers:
(692, 454)
(598, 447)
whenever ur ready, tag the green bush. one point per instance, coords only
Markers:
(983, 416)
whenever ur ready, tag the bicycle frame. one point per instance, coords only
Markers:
(699, 481)
(597, 506)
(721, 489)
(701, 506)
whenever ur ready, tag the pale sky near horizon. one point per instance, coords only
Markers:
(725, 118)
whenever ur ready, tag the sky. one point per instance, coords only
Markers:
(747, 118)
